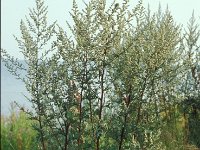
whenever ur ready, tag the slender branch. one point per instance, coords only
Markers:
(127, 101)
(66, 135)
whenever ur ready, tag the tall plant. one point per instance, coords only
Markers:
(35, 37)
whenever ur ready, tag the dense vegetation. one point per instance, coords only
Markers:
(17, 132)
(121, 79)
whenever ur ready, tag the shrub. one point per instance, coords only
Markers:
(17, 132)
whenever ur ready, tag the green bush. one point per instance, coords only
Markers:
(17, 132)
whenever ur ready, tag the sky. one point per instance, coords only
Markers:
(12, 11)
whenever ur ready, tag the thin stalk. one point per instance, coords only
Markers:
(80, 119)
(66, 136)
(122, 135)
(127, 101)
(102, 72)
(37, 84)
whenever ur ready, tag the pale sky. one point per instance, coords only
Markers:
(12, 11)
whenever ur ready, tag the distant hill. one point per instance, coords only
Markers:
(11, 90)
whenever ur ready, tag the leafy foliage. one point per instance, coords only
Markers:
(17, 131)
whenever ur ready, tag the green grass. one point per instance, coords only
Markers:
(17, 132)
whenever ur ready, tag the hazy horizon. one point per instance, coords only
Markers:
(12, 90)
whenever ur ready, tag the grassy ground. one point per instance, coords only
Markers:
(17, 132)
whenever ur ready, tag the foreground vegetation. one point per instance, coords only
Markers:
(123, 79)
(18, 132)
